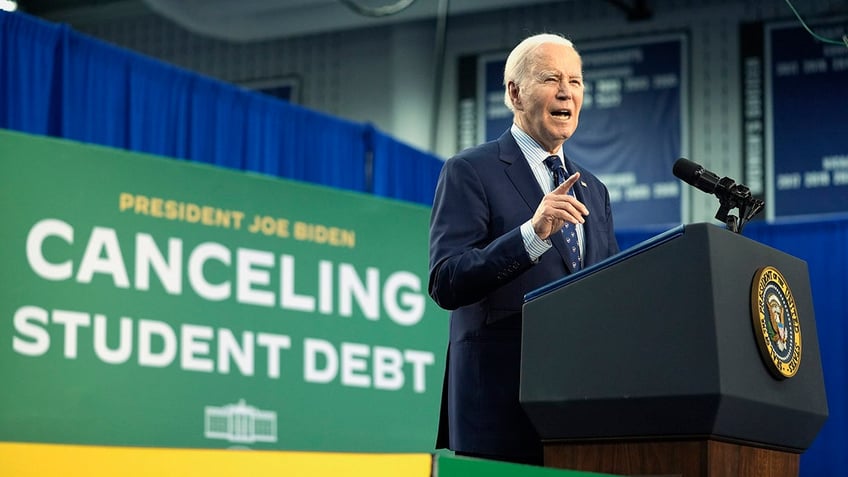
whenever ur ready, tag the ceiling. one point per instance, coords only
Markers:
(252, 20)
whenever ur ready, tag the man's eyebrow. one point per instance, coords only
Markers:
(545, 73)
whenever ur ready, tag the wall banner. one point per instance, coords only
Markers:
(806, 145)
(153, 302)
(633, 125)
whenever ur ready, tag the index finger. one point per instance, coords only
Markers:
(566, 186)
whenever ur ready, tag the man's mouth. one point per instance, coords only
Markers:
(562, 113)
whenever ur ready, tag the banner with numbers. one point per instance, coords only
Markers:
(806, 105)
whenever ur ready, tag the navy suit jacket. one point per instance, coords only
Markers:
(480, 270)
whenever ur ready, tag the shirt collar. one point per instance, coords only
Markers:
(533, 152)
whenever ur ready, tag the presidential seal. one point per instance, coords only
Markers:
(776, 326)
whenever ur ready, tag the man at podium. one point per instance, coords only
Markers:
(510, 216)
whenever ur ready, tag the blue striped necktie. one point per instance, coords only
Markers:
(569, 231)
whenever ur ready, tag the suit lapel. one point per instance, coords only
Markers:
(519, 172)
(582, 193)
(580, 188)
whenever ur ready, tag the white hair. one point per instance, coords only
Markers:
(520, 59)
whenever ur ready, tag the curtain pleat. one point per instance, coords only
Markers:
(31, 61)
(394, 162)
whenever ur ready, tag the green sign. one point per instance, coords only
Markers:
(153, 302)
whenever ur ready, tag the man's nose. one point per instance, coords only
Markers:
(564, 91)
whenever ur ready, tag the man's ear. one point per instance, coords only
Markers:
(513, 89)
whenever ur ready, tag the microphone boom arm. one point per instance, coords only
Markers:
(736, 196)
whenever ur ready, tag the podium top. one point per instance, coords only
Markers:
(617, 258)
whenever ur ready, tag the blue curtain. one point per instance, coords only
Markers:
(31, 58)
(57, 82)
(394, 162)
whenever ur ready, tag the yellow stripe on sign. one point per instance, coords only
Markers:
(47, 460)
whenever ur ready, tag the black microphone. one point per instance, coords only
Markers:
(729, 193)
(694, 174)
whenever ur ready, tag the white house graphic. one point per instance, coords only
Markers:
(240, 423)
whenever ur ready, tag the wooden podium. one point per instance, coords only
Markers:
(657, 361)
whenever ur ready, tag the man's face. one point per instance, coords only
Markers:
(547, 103)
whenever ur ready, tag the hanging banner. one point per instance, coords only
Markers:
(153, 302)
(806, 101)
(633, 125)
